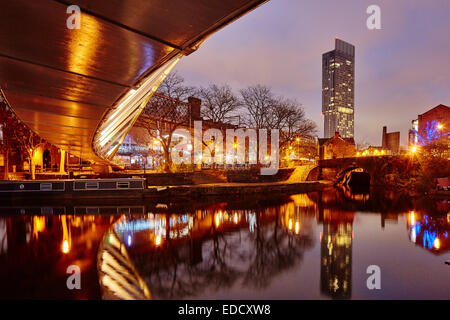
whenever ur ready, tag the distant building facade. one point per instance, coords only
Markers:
(336, 147)
(390, 141)
(428, 125)
(338, 84)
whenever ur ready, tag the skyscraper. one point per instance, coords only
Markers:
(338, 84)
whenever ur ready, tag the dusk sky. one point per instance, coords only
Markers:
(402, 70)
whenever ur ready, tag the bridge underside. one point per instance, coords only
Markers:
(82, 89)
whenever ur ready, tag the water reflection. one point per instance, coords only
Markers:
(336, 254)
(300, 246)
(35, 252)
(430, 232)
(184, 256)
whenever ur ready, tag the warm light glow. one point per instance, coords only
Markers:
(236, 218)
(297, 227)
(298, 139)
(412, 218)
(65, 246)
(120, 119)
(235, 145)
(290, 147)
(217, 220)
(158, 240)
(290, 224)
(437, 243)
(413, 149)
(440, 126)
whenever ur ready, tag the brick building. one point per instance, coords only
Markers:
(435, 121)
(390, 141)
(336, 147)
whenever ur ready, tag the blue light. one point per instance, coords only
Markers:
(432, 133)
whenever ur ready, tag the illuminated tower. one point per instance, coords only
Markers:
(338, 84)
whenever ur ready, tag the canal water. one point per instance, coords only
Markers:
(318, 245)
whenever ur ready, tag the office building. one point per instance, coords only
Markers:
(338, 84)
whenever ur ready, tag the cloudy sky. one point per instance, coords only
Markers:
(402, 70)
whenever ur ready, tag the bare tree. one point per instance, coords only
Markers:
(258, 102)
(267, 111)
(175, 87)
(289, 117)
(165, 112)
(8, 123)
(28, 142)
(16, 135)
(218, 103)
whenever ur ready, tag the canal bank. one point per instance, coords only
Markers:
(235, 189)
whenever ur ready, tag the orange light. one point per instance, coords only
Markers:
(297, 227)
(65, 246)
(437, 243)
(290, 224)
(217, 220)
(413, 149)
(158, 240)
(412, 218)
(235, 145)
(440, 126)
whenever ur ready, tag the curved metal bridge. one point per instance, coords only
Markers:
(83, 89)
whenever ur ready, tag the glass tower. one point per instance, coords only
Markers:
(338, 84)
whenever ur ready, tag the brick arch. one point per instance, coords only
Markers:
(376, 167)
(340, 175)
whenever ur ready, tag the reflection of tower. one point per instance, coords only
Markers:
(336, 255)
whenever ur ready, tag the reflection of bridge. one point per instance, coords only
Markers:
(83, 89)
